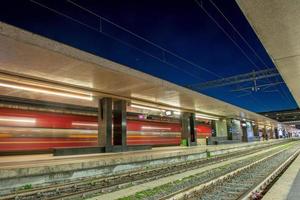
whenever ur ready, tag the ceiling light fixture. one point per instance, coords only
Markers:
(176, 112)
(145, 107)
(203, 116)
(46, 91)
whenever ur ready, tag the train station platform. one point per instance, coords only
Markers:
(288, 185)
(17, 171)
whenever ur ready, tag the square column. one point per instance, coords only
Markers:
(276, 132)
(120, 124)
(255, 130)
(112, 131)
(244, 132)
(213, 128)
(221, 128)
(265, 133)
(188, 128)
(105, 123)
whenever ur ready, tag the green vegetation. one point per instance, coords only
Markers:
(27, 187)
(159, 189)
(93, 183)
(184, 142)
(147, 193)
(208, 155)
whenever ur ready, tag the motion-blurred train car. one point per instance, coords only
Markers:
(203, 130)
(26, 130)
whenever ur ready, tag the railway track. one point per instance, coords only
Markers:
(91, 186)
(247, 182)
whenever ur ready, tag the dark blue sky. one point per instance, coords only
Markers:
(181, 27)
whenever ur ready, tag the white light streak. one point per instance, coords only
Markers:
(17, 119)
(84, 124)
(177, 112)
(203, 116)
(45, 91)
(155, 128)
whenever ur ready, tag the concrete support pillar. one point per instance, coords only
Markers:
(255, 130)
(272, 132)
(229, 129)
(112, 131)
(265, 133)
(234, 129)
(193, 129)
(120, 124)
(276, 132)
(244, 131)
(185, 129)
(105, 123)
(221, 128)
(213, 128)
(188, 128)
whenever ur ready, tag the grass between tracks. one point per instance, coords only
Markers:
(167, 188)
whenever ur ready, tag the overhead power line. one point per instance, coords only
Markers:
(230, 38)
(235, 43)
(250, 47)
(240, 78)
(225, 32)
(239, 34)
(257, 87)
(144, 39)
(101, 31)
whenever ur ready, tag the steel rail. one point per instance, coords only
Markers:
(107, 184)
(190, 193)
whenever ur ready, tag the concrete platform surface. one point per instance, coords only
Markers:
(288, 185)
(22, 161)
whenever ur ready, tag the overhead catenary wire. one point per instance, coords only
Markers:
(164, 51)
(230, 38)
(239, 34)
(225, 32)
(144, 39)
(233, 41)
(100, 30)
(250, 47)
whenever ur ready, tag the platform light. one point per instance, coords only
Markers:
(45, 91)
(177, 113)
(168, 112)
(141, 117)
(209, 117)
(17, 119)
(145, 107)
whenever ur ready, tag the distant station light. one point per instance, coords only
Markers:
(168, 113)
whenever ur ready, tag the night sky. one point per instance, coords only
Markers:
(173, 29)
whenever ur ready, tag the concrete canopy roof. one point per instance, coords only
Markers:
(27, 57)
(277, 24)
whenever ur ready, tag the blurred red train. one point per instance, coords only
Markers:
(23, 130)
